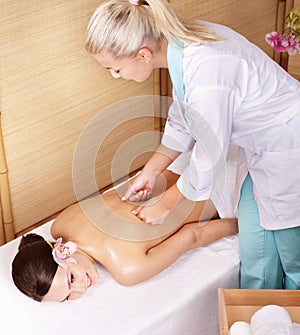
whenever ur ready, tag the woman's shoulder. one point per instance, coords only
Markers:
(69, 222)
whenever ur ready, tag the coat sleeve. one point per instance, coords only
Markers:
(176, 134)
(209, 122)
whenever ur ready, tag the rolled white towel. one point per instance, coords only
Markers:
(240, 328)
(271, 320)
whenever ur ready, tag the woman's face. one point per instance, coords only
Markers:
(137, 69)
(72, 282)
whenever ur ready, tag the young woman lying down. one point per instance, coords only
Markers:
(64, 270)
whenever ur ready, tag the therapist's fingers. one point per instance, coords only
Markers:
(137, 210)
(141, 195)
(135, 192)
(129, 193)
(156, 221)
(145, 195)
(140, 213)
(133, 195)
(136, 196)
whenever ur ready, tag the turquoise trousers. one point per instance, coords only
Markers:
(270, 259)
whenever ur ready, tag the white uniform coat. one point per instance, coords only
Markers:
(237, 96)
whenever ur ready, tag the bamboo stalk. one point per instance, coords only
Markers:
(157, 104)
(285, 56)
(2, 234)
(5, 200)
(280, 26)
(164, 75)
(289, 6)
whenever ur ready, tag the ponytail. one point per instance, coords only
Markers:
(121, 28)
(173, 26)
(33, 267)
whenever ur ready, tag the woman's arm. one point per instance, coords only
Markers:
(190, 236)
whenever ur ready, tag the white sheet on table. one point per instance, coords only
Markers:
(180, 300)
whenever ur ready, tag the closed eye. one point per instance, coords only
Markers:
(114, 70)
(70, 281)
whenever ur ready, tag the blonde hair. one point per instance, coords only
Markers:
(121, 28)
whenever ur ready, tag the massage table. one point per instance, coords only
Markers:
(180, 300)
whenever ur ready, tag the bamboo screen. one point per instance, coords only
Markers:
(50, 89)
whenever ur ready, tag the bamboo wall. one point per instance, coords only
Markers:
(50, 89)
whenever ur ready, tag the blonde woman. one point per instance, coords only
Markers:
(226, 92)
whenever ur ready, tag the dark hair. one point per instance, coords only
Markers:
(33, 267)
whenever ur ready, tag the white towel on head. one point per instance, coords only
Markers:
(272, 320)
(240, 328)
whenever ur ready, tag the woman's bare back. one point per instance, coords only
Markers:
(131, 260)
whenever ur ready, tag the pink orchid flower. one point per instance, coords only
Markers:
(291, 44)
(283, 43)
(289, 41)
(275, 40)
(62, 253)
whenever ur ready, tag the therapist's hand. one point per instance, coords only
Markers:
(156, 210)
(153, 212)
(141, 187)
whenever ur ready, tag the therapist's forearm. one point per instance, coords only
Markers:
(160, 160)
